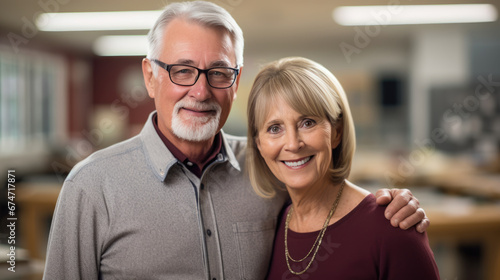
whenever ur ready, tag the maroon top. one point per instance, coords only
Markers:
(193, 167)
(361, 245)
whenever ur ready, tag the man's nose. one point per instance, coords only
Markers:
(201, 90)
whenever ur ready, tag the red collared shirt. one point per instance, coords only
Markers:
(193, 167)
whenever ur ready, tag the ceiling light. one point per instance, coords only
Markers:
(132, 45)
(414, 14)
(132, 20)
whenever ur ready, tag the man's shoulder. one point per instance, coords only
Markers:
(107, 158)
(236, 143)
(233, 139)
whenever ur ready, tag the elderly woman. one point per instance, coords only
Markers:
(301, 136)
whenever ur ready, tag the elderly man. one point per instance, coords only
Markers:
(173, 202)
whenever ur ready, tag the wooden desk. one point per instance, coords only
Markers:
(36, 203)
(481, 185)
(476, 224)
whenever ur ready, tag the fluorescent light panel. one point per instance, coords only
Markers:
(133, 20)
(414, 14)
(133, 45)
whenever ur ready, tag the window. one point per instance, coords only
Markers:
(32, 101)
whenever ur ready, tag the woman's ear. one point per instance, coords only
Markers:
(337, 132)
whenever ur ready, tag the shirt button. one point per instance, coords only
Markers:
(220, 157)
(209, 232)
(189, 163)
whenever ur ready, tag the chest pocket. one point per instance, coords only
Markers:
(254, 242)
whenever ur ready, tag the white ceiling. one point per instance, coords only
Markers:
(266, 24)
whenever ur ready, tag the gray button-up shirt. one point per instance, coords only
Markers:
(132, 211)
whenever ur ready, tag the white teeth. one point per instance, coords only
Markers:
(297, 163)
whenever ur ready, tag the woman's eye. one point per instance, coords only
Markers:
(308, 123)
(273, 129)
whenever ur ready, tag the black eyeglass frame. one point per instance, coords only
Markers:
(168, 67)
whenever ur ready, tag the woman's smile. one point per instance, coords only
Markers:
(295, 164)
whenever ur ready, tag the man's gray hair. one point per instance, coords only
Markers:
(206, 14)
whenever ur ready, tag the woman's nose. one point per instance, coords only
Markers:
(293, 141)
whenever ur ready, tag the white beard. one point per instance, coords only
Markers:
(196, 129)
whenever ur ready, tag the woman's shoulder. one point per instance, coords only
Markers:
(362, 208)
(356, 204)
(370, 216)
(397, 251)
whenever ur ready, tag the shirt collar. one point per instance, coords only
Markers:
(162, 159)
(193, 167)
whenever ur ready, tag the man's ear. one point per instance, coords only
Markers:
(337, 132)
(149, 77)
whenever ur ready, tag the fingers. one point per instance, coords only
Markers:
(414, 219)
(407, 214)
(383, 196)
(423, 225)
(402, 199)
(403, 210)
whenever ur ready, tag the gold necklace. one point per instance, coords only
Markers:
(318, 241)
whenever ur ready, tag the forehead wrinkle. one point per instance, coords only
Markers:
(220, 63)
(226, 53)
(217, 63)
(184, 61)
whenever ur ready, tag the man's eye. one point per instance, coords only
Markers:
(184, 71)
(221, 73)
(216, 73)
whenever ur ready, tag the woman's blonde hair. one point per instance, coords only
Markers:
(310, 89)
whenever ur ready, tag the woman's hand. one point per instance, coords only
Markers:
(403, 209)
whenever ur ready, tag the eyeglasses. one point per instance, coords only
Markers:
(187, 75)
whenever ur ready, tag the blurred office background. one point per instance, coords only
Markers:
(425, 99)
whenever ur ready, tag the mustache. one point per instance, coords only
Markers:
(199, 106)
